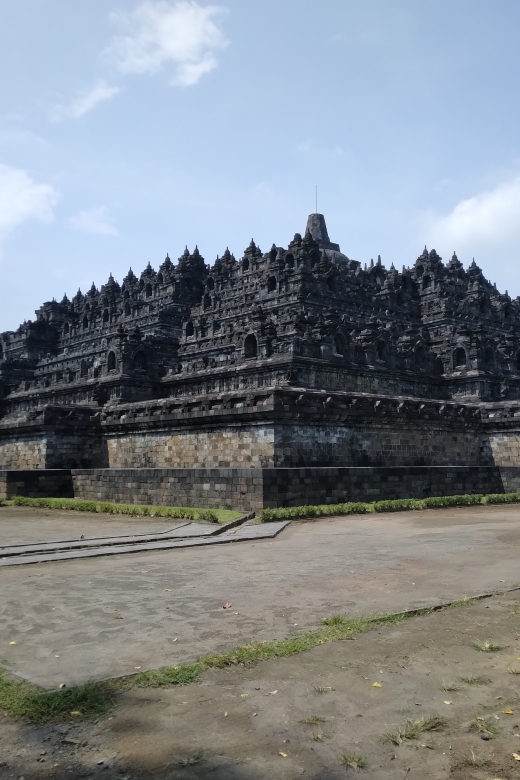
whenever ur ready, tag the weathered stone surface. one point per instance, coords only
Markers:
(296, 357)
(251, 489)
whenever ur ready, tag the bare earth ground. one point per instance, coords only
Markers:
(102, 617)
(63, 619)
(245, 723)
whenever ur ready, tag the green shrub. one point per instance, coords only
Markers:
(395, 505)
(501, 498)
(107, 507)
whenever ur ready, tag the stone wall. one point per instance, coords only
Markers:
(49, 450)
(53, 437)
(294, 487)
(24, 452)
(248, 446)
(374, 444)
(36, 484)
(209, 488)
(505, 447)
(510, 476)
(253, 489)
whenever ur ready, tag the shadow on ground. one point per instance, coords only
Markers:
(295, 717)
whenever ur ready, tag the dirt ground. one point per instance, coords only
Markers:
(101, 617)
(246, 723)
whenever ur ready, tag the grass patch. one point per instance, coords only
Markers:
(487, 726)
(487, 646)
(353, 761)
(21, 699)
(474, 759)
(192, 760)
(319, 736)
(312, 720)
(397, 505)
(462, 602)
(411, 729)
(246, 655)
(135, 510)
(27, 701)
(450, 686)
(320, 689)
(478, 680)
(335, 620)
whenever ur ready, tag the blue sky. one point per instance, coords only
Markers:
(130, 129)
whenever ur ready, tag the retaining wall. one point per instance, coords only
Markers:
(253, 489)
(36, 483)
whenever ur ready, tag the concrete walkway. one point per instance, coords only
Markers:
(99, 617)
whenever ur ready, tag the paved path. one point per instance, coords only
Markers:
(107, 616)
(185, 535)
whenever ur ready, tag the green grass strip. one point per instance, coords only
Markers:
(93, 699)
(396, 505)
(139, 510)
(27, 701)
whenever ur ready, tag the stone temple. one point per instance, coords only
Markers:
(283, 377)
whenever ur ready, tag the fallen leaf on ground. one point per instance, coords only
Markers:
(516, 756)
(225, 714)
(227, 605)
(507, 712)
(167, 590)
(174, 640)
(448, 702)
(244, 695)
(77, 713)
(12, 643)
(376, 685)
(283, 755)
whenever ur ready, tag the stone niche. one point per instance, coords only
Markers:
(298, 357)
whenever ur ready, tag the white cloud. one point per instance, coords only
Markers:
(86, 102)
(490, 218)
(100, 92)
(95, 220)
(184, 34)
(22, 199)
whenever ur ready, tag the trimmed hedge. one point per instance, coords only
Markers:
(397, 505)
(107, 507)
